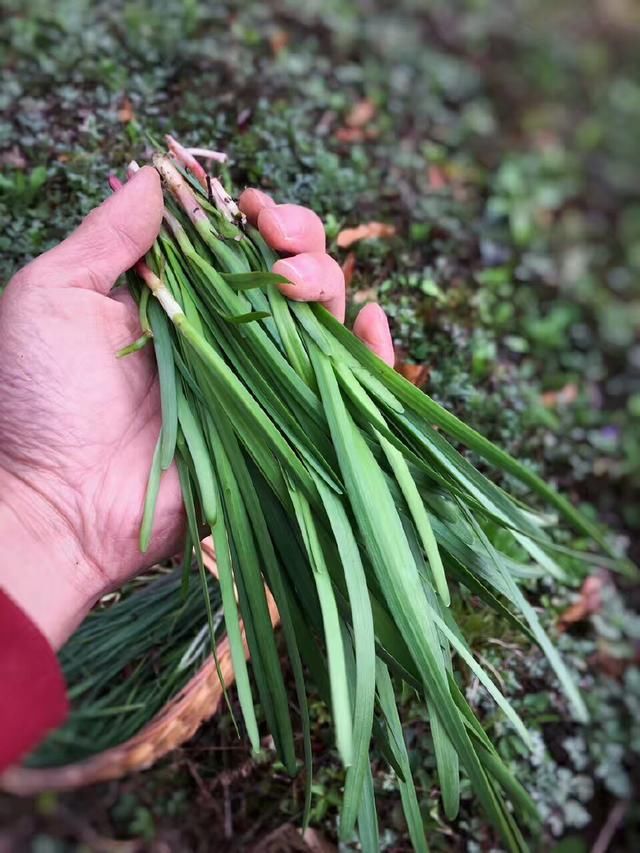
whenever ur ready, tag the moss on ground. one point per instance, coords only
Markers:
(499, 142)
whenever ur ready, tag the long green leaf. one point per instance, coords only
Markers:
(397, 574)
(228, 462)
(167, 378)
(541, 636)
(200, 459)
(332, 628)
(410, 803)
(151, 498)
(420, 516)
(427, 408)
(365, 656)
(367, 819)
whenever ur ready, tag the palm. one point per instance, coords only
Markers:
(84, 438)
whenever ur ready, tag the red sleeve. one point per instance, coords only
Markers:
(32, 690)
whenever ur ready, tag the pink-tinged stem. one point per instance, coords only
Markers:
(208, 154)
(159, 290)
(223, 201)
(115, 183)
(180, 190)
(188, 160)
(225, 204)
(153, 282)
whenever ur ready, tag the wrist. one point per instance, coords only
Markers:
(42, 566)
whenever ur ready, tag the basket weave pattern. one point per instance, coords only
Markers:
(178, 721)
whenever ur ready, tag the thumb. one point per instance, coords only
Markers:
(110, 239)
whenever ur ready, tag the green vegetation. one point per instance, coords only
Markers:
(501, 146)
(149, 645)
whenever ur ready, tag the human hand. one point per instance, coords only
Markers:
(298, 232)
(78, 426)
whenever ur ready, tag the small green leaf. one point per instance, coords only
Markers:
(135, 346)
(250, 280)
(249, 317)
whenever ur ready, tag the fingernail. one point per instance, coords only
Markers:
(259, 197)
(301, 268)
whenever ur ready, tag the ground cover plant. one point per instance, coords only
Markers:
(510, 276)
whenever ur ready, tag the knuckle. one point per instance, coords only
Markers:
(125, 239)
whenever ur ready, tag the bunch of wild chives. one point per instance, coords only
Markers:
(324, 474)
(126, 662)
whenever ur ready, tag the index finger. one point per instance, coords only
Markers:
(252, 201)
(287, 228)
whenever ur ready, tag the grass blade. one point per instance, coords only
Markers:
(167, 378)
(541, 636)
(332, 628)
(410, 804)
(365, 656)
(428, 409)
(193, 537)
(199, 459)
(397, 574)
(151, 498)
(420, 516)
(367, 819)
(273, 693)
(249, 280)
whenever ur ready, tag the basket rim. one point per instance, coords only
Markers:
(174, 724)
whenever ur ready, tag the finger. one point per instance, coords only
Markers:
(110, 239)
(291, 229)
(251, 202)
(372, 327)
(125, 309)
(316, 277)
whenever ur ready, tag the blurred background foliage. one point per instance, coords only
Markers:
(500, 144)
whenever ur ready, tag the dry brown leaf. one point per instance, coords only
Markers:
(278, 40)
(349, 134)
(325, 122)
(417, 374)
(437, 178)
(317, 843)
(614, 667)
(564, 397)
(368, 231)
(14, 158)
(622, 15)
(361, 113)
(348, 268)
(590, 601)
(366, 294)
(355, 134)
(126, 113)
(283, 839)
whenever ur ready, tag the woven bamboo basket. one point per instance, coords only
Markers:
(178, 721)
